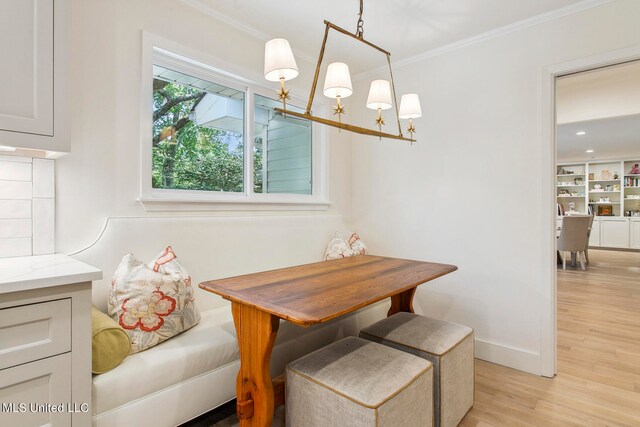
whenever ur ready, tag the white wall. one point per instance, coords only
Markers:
(470, 191)
(100, 178)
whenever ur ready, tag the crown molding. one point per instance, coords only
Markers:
(510, 28)
(257, 34)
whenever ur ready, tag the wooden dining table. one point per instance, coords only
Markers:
(307, 295)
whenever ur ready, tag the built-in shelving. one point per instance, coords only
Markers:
(591, 186)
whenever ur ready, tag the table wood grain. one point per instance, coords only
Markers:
(316, 293)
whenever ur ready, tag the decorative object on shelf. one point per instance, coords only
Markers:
(604, 200)
(564, 171)
(605, 210)
(572, 208)
(608, 187)
(592, 176)
(597, 187)
(635, 170)
(560, 209)
(578, 181)
(574, 193)
(280, 65)
(616, 187)
(563, 192)
(615, 175)
(631, 182)
(605, 175)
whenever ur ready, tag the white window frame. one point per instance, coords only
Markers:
(159, 51)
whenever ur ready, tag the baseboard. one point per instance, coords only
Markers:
(512, 357)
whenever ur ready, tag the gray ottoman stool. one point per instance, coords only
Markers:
(448, 346)
(354, 382)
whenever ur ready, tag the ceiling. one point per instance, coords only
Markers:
(604, 103)
(611, 138)
(597, 94)
(405, 28)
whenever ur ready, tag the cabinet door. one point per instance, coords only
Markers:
(46, 381)
(34, 331)
(635, 233)
(594, 237)
(26, 76)
(614, 233)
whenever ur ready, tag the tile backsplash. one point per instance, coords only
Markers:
(27, 206)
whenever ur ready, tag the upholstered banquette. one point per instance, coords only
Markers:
(195, 372)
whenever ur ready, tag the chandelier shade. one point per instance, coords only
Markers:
(338, 81)
(279, 63)
(410, 107)
(379, 95)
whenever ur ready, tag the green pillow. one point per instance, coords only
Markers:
(110, 344)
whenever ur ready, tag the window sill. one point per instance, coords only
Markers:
(233, 203)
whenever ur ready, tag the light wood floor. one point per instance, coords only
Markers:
(598, 381)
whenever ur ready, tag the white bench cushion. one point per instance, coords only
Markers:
(209, 345)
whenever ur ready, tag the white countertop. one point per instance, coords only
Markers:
(42, 271)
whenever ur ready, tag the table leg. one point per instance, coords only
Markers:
(402, 302)
(256, 332)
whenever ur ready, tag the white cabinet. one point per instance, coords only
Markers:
(33, 78)
(25, 389)
(594, 237)
(614, 232)
(45, 341)
(634, 233)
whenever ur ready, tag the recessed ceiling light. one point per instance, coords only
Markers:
(589, 151)
(581, 132)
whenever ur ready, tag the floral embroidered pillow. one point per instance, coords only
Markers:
(340, 248)
(152, 302)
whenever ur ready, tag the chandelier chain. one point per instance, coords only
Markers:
(360, 28)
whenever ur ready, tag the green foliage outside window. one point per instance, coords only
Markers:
(191, 157)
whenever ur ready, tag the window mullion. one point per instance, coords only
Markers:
(249, 142)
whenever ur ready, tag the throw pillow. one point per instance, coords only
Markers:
(110, 344)
(340, 248)
(152, 302)
(357, 245)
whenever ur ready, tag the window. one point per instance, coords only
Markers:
(198, 129)
(216, 137)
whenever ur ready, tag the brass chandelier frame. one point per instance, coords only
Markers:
(338, 124)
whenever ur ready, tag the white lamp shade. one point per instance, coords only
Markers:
(410, 107)
(279, 62)
(379, 95)
(338, 81)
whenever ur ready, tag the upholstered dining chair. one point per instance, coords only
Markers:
(573, 237)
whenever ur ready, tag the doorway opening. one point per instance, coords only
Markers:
(597, 226)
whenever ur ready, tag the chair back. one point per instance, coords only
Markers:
(574, 234)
